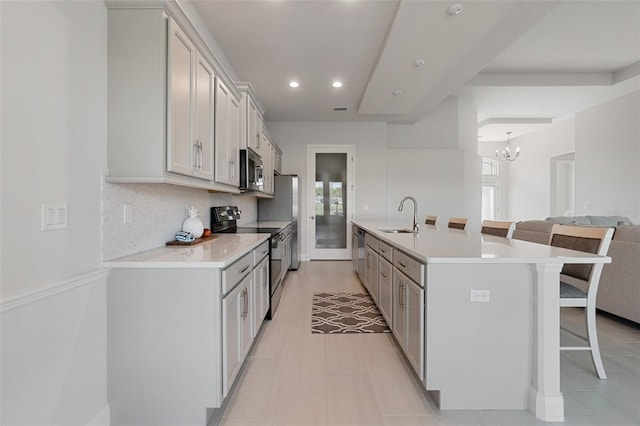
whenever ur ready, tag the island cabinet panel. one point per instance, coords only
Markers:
(478, 353)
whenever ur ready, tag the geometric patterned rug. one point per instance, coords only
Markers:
(342, 313)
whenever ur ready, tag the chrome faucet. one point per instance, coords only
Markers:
(415, 211)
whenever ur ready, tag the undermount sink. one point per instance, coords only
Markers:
(396, 231)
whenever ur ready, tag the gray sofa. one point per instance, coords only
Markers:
(619, 291)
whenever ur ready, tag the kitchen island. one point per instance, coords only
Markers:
(180, 323)
(488, 311)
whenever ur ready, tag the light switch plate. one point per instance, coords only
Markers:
(53, 216)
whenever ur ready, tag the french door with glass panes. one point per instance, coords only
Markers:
(330, 200)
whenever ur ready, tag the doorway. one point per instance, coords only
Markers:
(563, 185)
(330, 200)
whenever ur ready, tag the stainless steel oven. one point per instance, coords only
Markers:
(280, 240)
(251, 171)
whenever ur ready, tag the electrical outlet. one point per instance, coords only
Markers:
(482, 296)
(127, 213)
(365, 207)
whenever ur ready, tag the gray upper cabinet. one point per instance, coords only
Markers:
(161, 103)
(227, 145)
(190, 108)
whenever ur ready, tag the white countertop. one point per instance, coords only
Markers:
(444, 245)
(216, 253)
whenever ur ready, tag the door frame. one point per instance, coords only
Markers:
(312, 150)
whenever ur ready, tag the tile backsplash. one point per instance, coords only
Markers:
(158, 212)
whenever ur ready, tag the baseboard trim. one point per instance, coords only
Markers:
(103, 418)
(24, 297)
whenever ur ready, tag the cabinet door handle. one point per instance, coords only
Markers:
(385, 276)
(201, 155)
(243, 304)
(197, 155)
(402, 264)
(246, 301)
(244, 269)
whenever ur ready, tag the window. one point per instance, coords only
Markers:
(490, 167)
(490, 189)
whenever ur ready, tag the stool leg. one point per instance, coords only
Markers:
(592, 336)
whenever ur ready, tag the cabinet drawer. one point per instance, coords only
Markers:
(409, 266)
(234, 273)
(371, 241)
(260, 252)
(385, 251)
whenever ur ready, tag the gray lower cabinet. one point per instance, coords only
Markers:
(371, 272)
(236, 330)
(177, 337)
(354, 250)
(385, 290)
(260, 293)
(408, 319)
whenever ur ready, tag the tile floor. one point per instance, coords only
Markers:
(293, 377)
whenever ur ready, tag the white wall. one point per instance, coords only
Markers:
(608, 158)
(53, 59)
(435, 160)
(606, 142)
(370, 169)
(444, 171)
(437, 130)
(528, 178)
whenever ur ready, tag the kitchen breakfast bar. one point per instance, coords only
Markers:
(490, 310)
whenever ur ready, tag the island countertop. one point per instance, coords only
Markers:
(444, 245)
(219, 252)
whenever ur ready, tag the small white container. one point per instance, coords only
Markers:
(193, 223)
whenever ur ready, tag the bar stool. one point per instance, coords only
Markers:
(498, 228)
(431, 220)
(579, 282)
(457, 223)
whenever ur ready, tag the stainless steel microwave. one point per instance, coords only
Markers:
(251, 171)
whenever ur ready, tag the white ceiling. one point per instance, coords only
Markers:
(515, 61)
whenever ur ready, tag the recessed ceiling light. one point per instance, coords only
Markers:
(336, 84)
(294, 84)
(397, 92)
(418, 62)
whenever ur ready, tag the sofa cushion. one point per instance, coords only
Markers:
(570, 220)
(610, 221)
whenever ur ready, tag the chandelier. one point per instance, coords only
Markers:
(506, 156)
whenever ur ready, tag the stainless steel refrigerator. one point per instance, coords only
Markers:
(284, 206)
